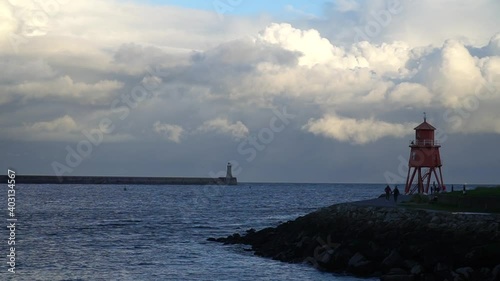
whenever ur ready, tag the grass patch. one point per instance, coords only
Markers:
(483, 191)
(419, 198)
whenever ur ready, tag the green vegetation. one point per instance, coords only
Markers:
(419, 199)
(479, 191)
(480, 199)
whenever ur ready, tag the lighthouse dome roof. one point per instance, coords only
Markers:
(425, 126)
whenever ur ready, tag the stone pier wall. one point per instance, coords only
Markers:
(391, 243)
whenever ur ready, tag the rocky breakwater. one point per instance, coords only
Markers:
(390, 243)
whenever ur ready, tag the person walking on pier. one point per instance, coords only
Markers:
(387, 192)
(396, 193)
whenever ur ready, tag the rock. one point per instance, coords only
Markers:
(443, 272)
(435, 219)
(493, 227)
(397, 271)
(432, 225)
(496, 273)
(409, 264)
(484, 271)
(465, 272)
(251, 231)
(356, 260)
(397, 278)
(341, 257)
(394, 259)
(359, 265)
(441, 267)
(417, 269)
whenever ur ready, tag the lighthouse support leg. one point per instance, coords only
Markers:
(420, 183)
(411, 180)
(441, 177)
(428, 182)
(408, 184)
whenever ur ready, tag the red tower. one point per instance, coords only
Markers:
(424, 160)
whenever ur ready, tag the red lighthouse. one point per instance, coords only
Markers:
(425, 161)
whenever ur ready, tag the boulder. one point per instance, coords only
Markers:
(465, 272)
(435, 219)
(397, 278)
(356, 260)
(359, 265)
(417, 269)
(397, 271)
(496, 273)
(409, 264)
(394, 259)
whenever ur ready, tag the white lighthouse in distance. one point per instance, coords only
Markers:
(228, 179)
(229, 172)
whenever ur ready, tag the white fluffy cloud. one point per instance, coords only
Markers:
(314, 48)
(237, 130)
(171, 132)
(64, 88)
(360, 131)
(62, 124)
(63, 128)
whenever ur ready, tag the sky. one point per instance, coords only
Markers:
(287, 91)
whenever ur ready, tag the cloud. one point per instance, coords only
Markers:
(346, 5)
(236, 130)
(62, 124)
(171, 132)
(458, 74)
(410, 94)
(299, 12)
(281, 63)
(59, 129)
(356, 131)
(388, 21)
(64, 88)
(309, 43)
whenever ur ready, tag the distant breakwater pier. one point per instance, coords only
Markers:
(392, 243)
(40, 179)
(34, 179)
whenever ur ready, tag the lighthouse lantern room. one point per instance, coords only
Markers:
(425, 161)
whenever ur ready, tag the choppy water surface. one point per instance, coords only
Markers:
(126, 232)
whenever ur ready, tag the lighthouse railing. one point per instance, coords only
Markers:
(425, 143)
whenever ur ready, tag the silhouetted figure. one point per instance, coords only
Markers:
(452, 188)
(463, 190)
(396, 193)
(387, 192)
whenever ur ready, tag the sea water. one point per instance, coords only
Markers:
(140, 232)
